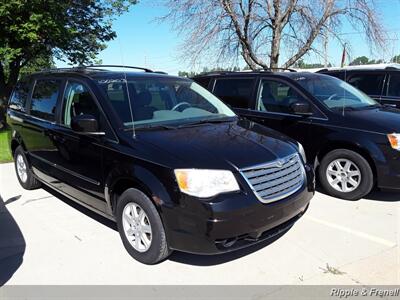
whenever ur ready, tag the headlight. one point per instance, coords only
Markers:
(302, 152)
(394, 140)
(205, 183)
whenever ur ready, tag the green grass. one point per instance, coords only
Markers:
(5, 153)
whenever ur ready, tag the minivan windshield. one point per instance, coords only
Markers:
(335, 93)
(163, 101)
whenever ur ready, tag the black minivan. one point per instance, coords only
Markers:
(161, 156)
(352, 140)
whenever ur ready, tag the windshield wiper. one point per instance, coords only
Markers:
(150, 127)
(208, 121)
(346, 108)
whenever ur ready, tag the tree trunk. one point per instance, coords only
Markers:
(275, 48)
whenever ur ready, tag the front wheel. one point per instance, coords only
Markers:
(141, 228)
(24, 173)
(346, 174)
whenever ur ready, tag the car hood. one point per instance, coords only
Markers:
(382, 120)
(238, 144)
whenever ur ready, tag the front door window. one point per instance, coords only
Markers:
(276, 96)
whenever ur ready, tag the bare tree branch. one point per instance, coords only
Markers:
(257, 29)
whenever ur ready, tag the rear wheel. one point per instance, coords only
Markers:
(140, 228)
(346, 174)
(23, 171)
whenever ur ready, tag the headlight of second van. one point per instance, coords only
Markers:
(205, 183)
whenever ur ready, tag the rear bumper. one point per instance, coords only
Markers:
(235, 220)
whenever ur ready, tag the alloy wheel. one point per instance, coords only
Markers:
(21, 168)
(137, 227)
(343, 175)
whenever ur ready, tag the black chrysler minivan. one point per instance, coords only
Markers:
(161, 156)
(352, 140)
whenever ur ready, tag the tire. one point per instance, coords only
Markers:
(158, 249)
(347, 178)
(23, 170)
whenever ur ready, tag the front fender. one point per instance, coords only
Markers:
(143, 178)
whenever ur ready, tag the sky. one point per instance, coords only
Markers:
(143, 41)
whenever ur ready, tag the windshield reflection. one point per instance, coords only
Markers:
(154, 102)
(336, 94)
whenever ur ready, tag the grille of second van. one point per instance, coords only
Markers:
(276, 180)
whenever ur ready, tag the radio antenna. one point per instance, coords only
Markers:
(127, 90)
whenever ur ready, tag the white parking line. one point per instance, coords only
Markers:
(353, 232)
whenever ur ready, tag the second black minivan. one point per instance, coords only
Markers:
(161, 156)
(352, 140)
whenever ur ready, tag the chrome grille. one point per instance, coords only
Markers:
(276, 180)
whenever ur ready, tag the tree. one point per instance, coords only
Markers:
(396, 59)
(32, 31)
(257, 29)
(303, 65)
(363, 60)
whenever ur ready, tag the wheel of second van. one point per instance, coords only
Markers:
(23, 170)
(346, 174)
(141, 228)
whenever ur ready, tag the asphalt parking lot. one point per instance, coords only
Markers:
(46, 239)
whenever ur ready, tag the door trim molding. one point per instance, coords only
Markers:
(66, 170)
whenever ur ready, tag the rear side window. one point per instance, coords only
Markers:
(339, 75)
(394, 86)
(371, 84)
(204, 82)
(44, 99)
(19, 96)
(235, 92)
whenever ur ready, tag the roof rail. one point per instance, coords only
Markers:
(280, 69)
(245, 71)
(119, 66)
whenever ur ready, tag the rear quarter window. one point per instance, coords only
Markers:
(204, 82)
(19, 96)
(235, 92)
(44, 99)
(371, 84)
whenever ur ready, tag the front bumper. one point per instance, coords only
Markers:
(234, 220)
(388, 168)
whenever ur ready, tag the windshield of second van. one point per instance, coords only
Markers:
(335, 93)
(162, 101)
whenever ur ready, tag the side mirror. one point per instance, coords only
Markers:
(85, 124)
(301, 108)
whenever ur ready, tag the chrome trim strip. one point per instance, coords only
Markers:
(12, 117)
(270, 164)
(66, 170)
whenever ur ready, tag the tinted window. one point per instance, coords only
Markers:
(44, 99)
(234, 92)
(394, 86)
(19, 96)
(203, 81)
(334, 93)
(371, 84)
(78, 101)
(339, 75)
(276, 96)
